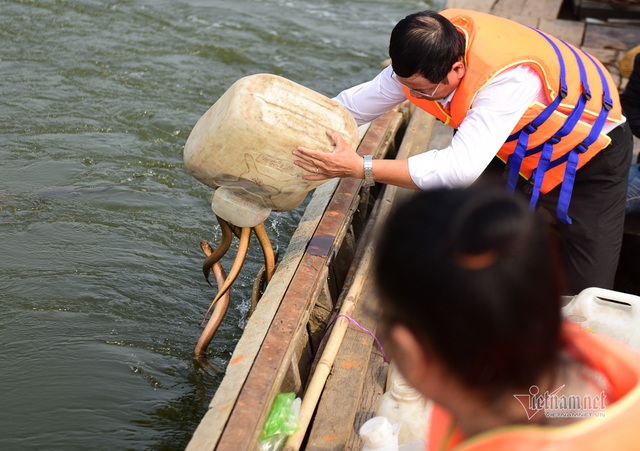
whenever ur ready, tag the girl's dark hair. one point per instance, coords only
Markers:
(427, 44)
(472, 273)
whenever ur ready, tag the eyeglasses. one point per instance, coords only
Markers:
(415, 92)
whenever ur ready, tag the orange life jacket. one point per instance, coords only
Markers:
(617, 429)
(495, 44)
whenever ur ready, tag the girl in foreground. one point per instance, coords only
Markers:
(470, 288)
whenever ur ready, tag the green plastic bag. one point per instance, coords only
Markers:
(281, 423)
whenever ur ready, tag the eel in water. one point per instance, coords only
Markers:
(220, 303)
(215, 256)
(218, 312)
(244, 233)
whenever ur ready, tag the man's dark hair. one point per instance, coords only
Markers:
(427, 44)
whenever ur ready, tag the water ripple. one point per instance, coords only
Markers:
(101, 282)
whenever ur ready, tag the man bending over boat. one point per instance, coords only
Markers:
(469, 289)
(544, 113)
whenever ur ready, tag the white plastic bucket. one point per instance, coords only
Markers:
(242, 146)
(611, 313)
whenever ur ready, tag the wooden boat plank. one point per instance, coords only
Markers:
(526, 9)
(212, 424)
(335, 415)
(482, 6)
(567, 30)
(303, 287)
(336, 410)
(334, 423)
(373, 389)
(261, 386)
(341, 401)
(603, 10)
(263, 382)
(617, 36)
(541, 9)
(530, 21)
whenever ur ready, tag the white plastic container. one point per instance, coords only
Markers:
(392, 374)
(607, 312)
(404, 405)
(379, 434)
(242, 145)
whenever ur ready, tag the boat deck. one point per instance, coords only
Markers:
(323, 278)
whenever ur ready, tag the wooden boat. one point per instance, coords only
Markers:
(323, 278)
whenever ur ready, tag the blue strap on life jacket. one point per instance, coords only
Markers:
(546, 149)
(573, 156)
(567, 127)
(515, 159)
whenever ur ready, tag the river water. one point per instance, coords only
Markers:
(101, 289)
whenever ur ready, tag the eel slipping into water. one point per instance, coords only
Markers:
(218, 312)
(244, 234)
(214, 256)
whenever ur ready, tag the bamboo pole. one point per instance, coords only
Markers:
(420, 126)
(323, 368)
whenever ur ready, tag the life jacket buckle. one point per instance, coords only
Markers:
(555, 139)
(530, 128)
(581, 148)
(564, 92)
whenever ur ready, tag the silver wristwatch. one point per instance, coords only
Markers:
(368, 171)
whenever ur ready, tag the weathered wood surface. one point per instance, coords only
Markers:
(609, 42)
(263, 382)
(540, 14)
(616, 36)
(600, 9)
(335, 425)
(349, 302)
(213, 422)
(526, 10)
(262, 358)
(210, 428)
(541, 9)
(568, 30)
(483, 6)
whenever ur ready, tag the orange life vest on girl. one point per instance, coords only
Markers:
(616, 429)
(548, 144)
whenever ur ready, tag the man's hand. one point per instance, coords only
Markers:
(342, 162)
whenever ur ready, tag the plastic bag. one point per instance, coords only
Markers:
(281, 423)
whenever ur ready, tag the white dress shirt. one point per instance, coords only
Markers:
(494, 113)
